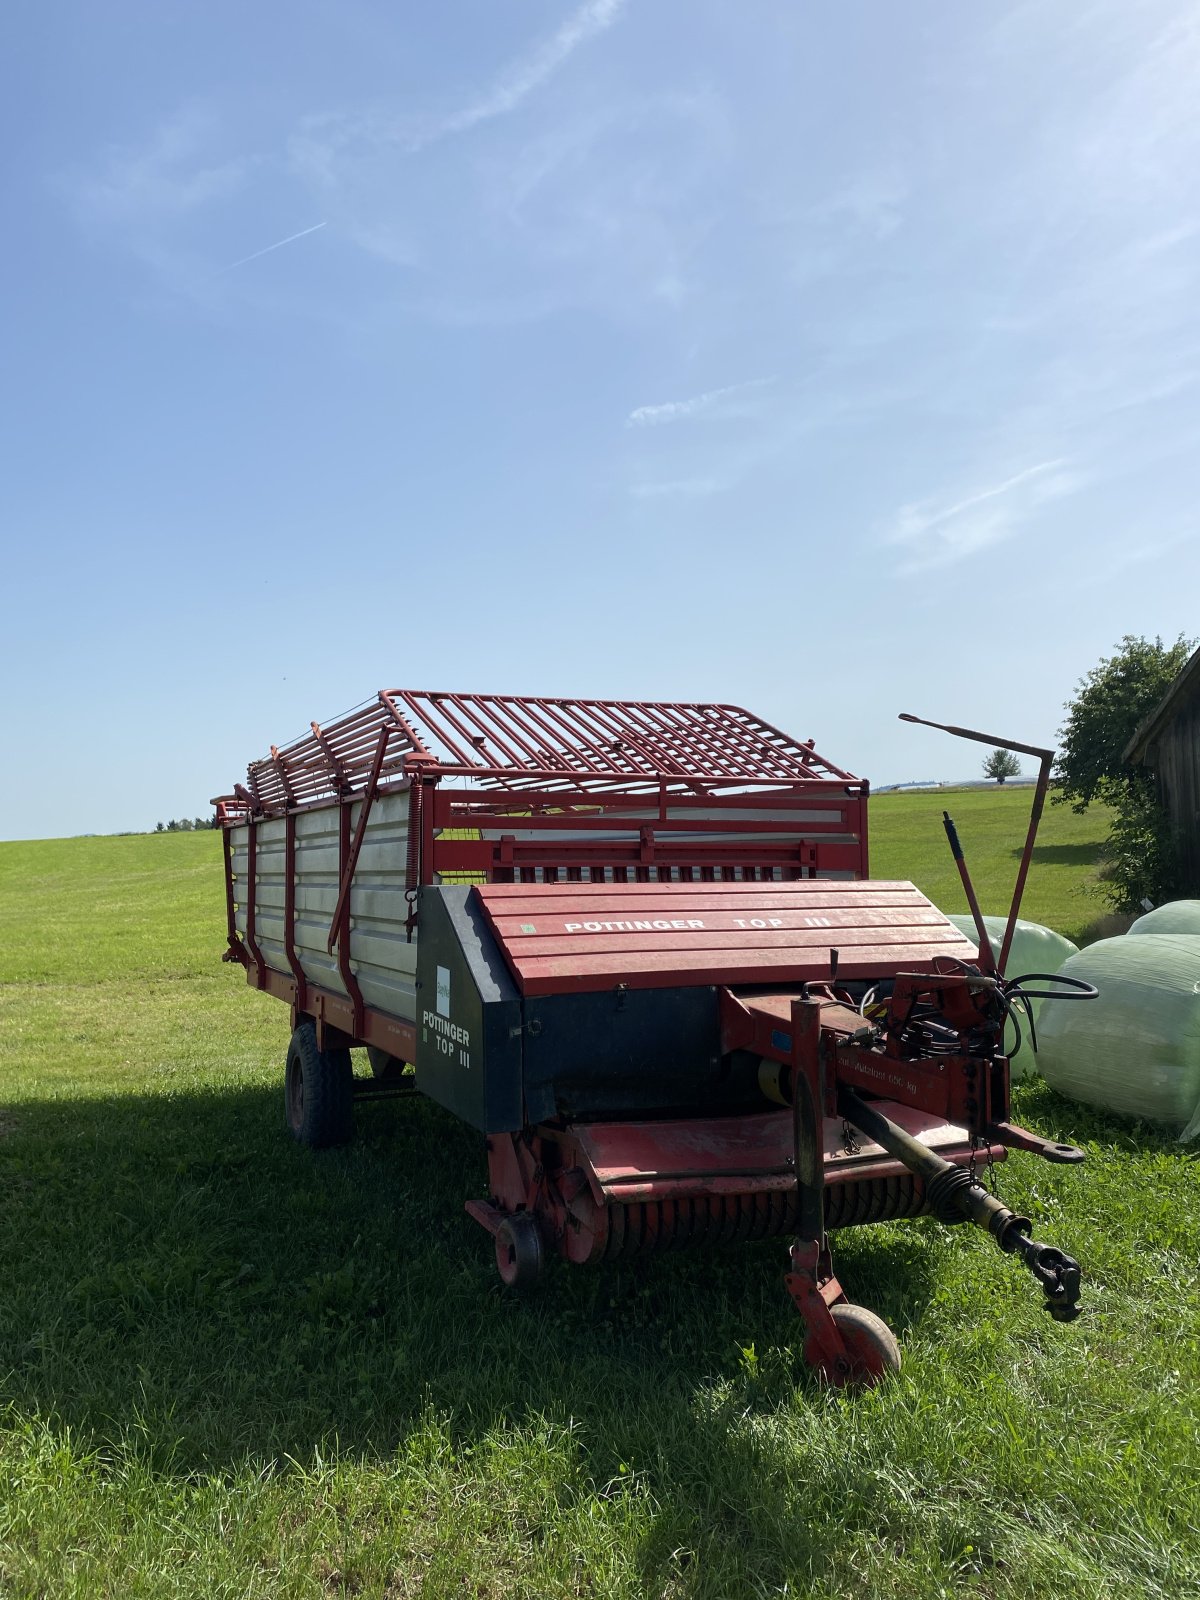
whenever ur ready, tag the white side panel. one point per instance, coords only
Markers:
(383, 959)
(268, 889)
(238, 838)
(316, 895)
(269, 899)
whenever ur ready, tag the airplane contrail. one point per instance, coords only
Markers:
(278, 245)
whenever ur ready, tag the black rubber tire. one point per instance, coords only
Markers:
(519, 1251)
(318, 1091)
(871, 1346)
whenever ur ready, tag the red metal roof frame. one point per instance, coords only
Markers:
(523, 742)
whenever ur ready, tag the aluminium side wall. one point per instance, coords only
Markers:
(382, 958)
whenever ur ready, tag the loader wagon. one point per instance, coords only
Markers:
(637, 947)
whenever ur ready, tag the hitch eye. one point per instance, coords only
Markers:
(1064, 1153)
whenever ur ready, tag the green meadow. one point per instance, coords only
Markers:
(233, 1367)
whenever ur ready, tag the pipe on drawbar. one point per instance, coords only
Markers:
(952, 1193)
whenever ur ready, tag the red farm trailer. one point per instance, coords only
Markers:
(637, 947)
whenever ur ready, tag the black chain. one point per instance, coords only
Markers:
(991, 1173)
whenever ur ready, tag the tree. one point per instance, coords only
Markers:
(1001, 764)
(1109, 704)
(1104, 715)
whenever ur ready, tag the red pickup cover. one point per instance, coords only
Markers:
(570, 937)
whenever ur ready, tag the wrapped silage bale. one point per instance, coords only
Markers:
(1177, 916)
(1034, 949)
(1136, 1049)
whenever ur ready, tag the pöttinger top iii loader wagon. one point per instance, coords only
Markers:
(637, 947)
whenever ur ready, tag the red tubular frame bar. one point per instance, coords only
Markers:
(343, 928)
(675, 843)
(289, 912)
(606, 742)
(235, 943)
(256, 955)
(350, 858)
(525, 742)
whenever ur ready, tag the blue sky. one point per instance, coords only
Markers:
(832, 360)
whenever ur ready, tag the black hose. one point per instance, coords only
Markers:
(1069, 988)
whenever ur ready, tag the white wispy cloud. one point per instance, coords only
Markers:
(529, 72)
(711, 401)
(935, 534)
(1134, 550)
(1154, 392)
(173, 174)
(328, 150)
(278, 245)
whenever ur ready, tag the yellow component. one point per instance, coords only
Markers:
(770, 1081)
(461, 877)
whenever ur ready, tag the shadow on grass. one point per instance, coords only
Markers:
(1088, 854)
(188, 1286)
(182, 1271)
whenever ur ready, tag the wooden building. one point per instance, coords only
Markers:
(1168, 745)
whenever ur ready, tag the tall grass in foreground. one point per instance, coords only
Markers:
(232, 1367)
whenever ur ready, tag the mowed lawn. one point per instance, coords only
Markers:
(233, 1367)
(908, 840)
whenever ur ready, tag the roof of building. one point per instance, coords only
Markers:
(1186, 684)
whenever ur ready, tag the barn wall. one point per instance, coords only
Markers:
(1177, 763)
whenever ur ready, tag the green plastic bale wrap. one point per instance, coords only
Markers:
(1135, 1050)
(1177, 916)
(1034, 949)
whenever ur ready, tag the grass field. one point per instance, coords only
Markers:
(232, 1367)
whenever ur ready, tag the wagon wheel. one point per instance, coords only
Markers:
(519, 1250)
(871, 1349)
(318, 1091)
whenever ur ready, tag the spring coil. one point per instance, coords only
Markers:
(942, 1190)
(642, 1226)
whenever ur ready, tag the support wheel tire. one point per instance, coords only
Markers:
(318, 1091)
(519, 1250)
(871, 1349)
